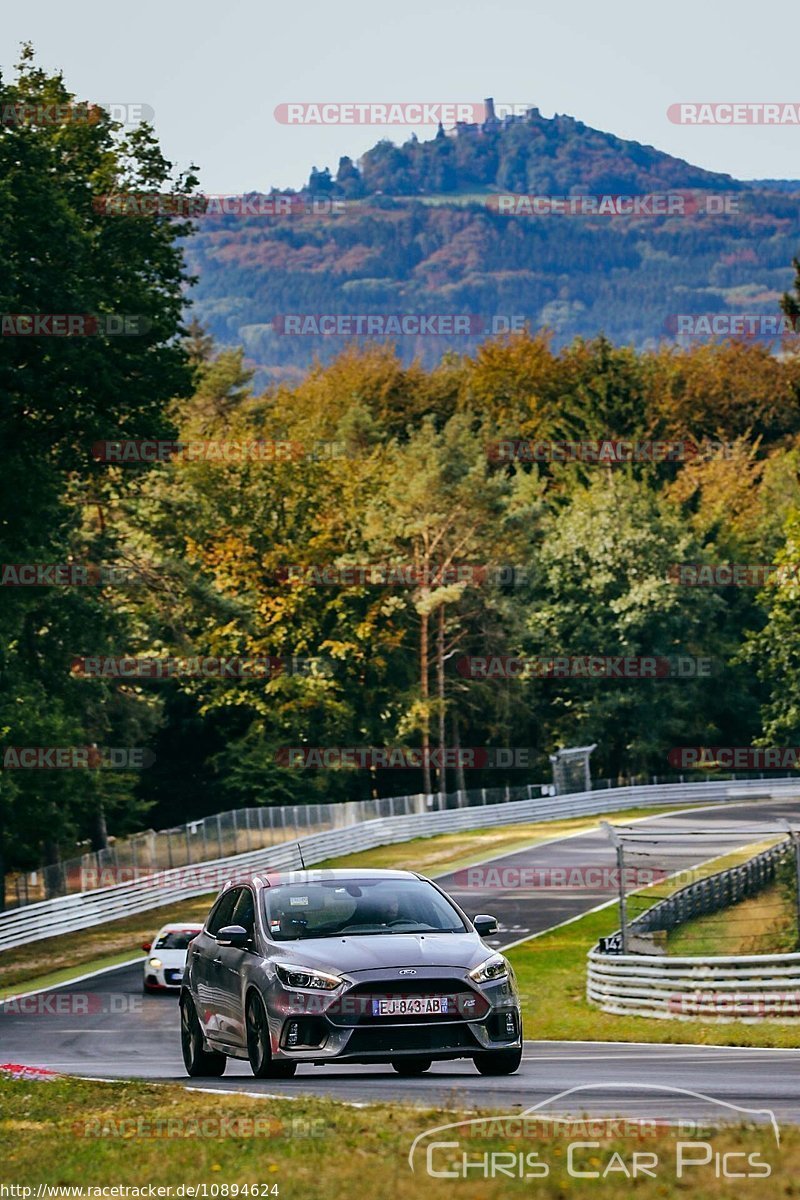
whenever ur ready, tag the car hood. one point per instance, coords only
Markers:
(382, 951)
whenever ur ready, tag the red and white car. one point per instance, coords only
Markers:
(166, 957)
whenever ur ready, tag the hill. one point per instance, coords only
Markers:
(528, 153)
(431, 227)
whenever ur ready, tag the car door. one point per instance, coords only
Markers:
(232, 960)
(209, 974)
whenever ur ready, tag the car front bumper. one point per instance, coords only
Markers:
(163, 979)
(319, 1028)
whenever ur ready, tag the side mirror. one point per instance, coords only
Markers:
(485, 925)
(147, 947)
(233, 935)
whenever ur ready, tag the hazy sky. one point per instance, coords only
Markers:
(214, 72)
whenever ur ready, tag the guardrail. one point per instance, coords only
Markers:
(755, 987)
(49, 918)
(731, 988)
(713, 893)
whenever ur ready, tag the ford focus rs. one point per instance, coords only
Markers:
(341, 966)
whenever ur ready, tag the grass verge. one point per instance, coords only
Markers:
(762, 924)
(69, 1132)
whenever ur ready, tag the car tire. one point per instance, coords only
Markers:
(412, 1066)
(196, 1059)
(499, 1062)
(259, 1050)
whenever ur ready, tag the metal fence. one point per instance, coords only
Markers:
(225, 834)
(715, 892)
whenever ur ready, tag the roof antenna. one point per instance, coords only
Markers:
(300, 852)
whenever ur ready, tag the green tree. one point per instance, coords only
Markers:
(441, 507)
(773, 651)
(62, 252)
(601, 587)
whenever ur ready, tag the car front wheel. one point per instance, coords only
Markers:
(499, 1062)
(259, 1050)
(196, 1059)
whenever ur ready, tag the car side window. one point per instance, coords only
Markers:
(223, 913)
(244, 913)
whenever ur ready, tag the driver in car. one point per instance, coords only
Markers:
(381, 911)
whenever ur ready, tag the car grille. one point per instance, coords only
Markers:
(173, 977)
(398, 1038)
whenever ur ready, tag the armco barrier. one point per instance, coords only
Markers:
(85, 910)
(756, 987)
(742, 988)
(713, 893)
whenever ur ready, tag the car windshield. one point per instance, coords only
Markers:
(177, 940)
(357, 907)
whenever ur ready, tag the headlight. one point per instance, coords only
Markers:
(307, 977)
(493, 968)
(154, 962)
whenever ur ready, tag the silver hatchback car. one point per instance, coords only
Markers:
(346, 966)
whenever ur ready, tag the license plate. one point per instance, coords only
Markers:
(411, 1006)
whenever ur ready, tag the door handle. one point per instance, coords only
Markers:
(217, 962)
